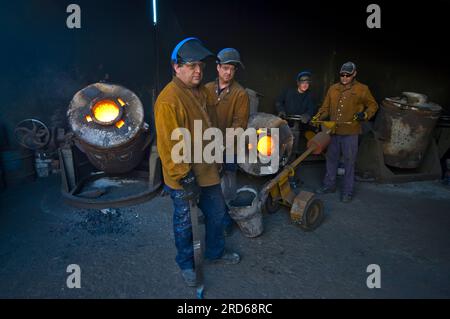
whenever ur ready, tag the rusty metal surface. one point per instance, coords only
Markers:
(307, 211)
(299, 205)
(103, 190)
(265, 120)
(117, 160)
(109, 148)
(134, 189)
(405, 131)
(105, 136)
(370, 165)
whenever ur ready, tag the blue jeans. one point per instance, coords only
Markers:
(348, 146)
(229, 167)
(212, 205)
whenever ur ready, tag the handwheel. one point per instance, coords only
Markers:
(32, 134)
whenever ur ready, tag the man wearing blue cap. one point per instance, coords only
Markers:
(348, 102)
(179, 104)
(297, 101)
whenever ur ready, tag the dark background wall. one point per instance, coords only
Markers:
(44, 63)
(277, 39)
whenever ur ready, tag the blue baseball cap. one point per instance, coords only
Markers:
(304, 76)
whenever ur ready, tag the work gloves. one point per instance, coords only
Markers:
(360, 116)
(190, 186)
(315, 118)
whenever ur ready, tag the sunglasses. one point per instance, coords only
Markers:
(346, 75)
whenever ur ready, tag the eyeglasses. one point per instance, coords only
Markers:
(193, 65)
(346, 75)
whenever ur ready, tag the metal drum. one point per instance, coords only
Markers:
(405, 126)
(108, 123)
(262, 123)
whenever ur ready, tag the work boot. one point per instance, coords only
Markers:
(228, 258)
(189, 276)
(326, 189)
(346, 198)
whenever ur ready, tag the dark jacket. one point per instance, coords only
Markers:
(292, 102)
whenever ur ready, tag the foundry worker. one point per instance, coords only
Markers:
(346, 101)
(232, 107)
(297, 101)
(181, 102)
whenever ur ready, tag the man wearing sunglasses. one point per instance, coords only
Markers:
(348, 103)
(232, 107)
(179, 104)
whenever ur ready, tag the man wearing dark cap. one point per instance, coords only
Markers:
(181, 102)
(232, 107)
(297, 101)
(348, 103)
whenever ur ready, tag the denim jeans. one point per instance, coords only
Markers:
(212, 204)
(230, 168)
(348, 146)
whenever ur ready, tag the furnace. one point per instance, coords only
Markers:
(108, 129)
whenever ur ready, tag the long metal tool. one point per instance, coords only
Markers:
(198, 259)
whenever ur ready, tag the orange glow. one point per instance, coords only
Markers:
(88, 118)
(265, 145)
(106, 111)
(122, 103)
(250, 146)
(120, 123)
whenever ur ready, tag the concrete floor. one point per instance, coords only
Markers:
(405, 229)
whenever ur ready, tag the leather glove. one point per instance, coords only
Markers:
(190, 186)
(304, 118)
(282, 114)
(316, 118)
(360, 116)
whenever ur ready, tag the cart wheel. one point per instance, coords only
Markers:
(313, 216)
(307, 211)
(271, 206)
